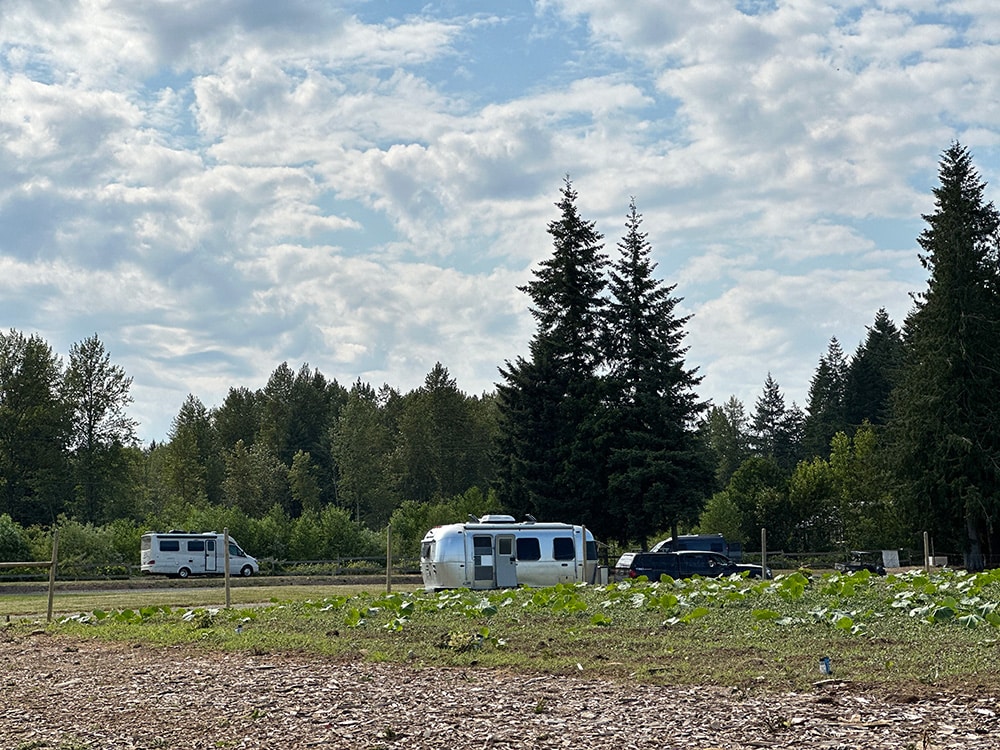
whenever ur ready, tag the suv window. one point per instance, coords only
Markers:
(653, 565)
(694, 564)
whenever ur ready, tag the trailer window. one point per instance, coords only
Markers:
(528, 548)
(563, 548)
(170, 545)
(196, 545)
(426, 550)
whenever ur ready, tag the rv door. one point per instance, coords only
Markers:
(211, 560)
(506, 562)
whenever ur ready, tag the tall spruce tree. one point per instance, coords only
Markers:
(776, 431)
(550, 403)
(659, 473)
(946, 414)
(872, 373)
(826, 416)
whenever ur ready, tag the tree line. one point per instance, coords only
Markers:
(599, 423)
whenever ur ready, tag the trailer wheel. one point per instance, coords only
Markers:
(183, 573)
(246, 571)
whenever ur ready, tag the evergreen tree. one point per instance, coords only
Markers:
(777, 431)
(826, 413)
(35, 425)
(441, 451)
(363, 443)
(189, 451)
(550, 403)
(726, 432)
(946, 414)
(658, 472)
(872, 373)
(239, 418)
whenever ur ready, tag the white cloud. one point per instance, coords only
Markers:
(217, 187)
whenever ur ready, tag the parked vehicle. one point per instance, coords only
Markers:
(702, 542)
(682, 564)
(497, 552)
(862, 560)
(180, 554)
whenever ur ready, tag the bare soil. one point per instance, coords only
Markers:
(62, 694)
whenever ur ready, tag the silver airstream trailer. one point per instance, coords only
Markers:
(497, 552)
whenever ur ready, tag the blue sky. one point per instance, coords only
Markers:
(215, 187)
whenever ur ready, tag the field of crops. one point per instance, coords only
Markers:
(912, 628)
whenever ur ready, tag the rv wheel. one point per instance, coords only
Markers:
(246, 571)
(183, 573)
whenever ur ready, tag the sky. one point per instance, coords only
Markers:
(217, 187)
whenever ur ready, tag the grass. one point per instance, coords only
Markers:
(73, 600)
(900, 632)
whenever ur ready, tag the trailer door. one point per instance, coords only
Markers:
(482, 561)
(506, 562)
(211, 559)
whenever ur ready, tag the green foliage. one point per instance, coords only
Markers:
(658, 472)
(35, 423)
(98, 393)
(362, 447)
(13, 542)
(411, 520)
(946, 416)
(553, 460)
(827, 398)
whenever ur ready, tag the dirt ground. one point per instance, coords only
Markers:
(64, 694)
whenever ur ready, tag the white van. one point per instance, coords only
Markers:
(180, 554)
(496, 552)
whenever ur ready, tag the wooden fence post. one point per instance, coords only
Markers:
(388, 558)
(225, 559)
(52, 570)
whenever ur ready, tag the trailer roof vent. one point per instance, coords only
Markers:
(497, 519)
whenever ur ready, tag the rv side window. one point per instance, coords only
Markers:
(563, 548)
(196, 545)
(235, 551)
(528, 548)
(591, 550)
(170, 545)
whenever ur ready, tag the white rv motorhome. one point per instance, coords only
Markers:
(497, 552)
(181, 554)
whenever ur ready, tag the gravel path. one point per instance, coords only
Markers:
(69, 695)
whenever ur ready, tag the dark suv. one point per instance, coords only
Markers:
(682, 564)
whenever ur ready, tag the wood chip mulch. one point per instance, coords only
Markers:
(70, 695)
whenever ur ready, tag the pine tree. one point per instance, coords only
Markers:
(549, 404)
(946, 414)
(659, 473)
